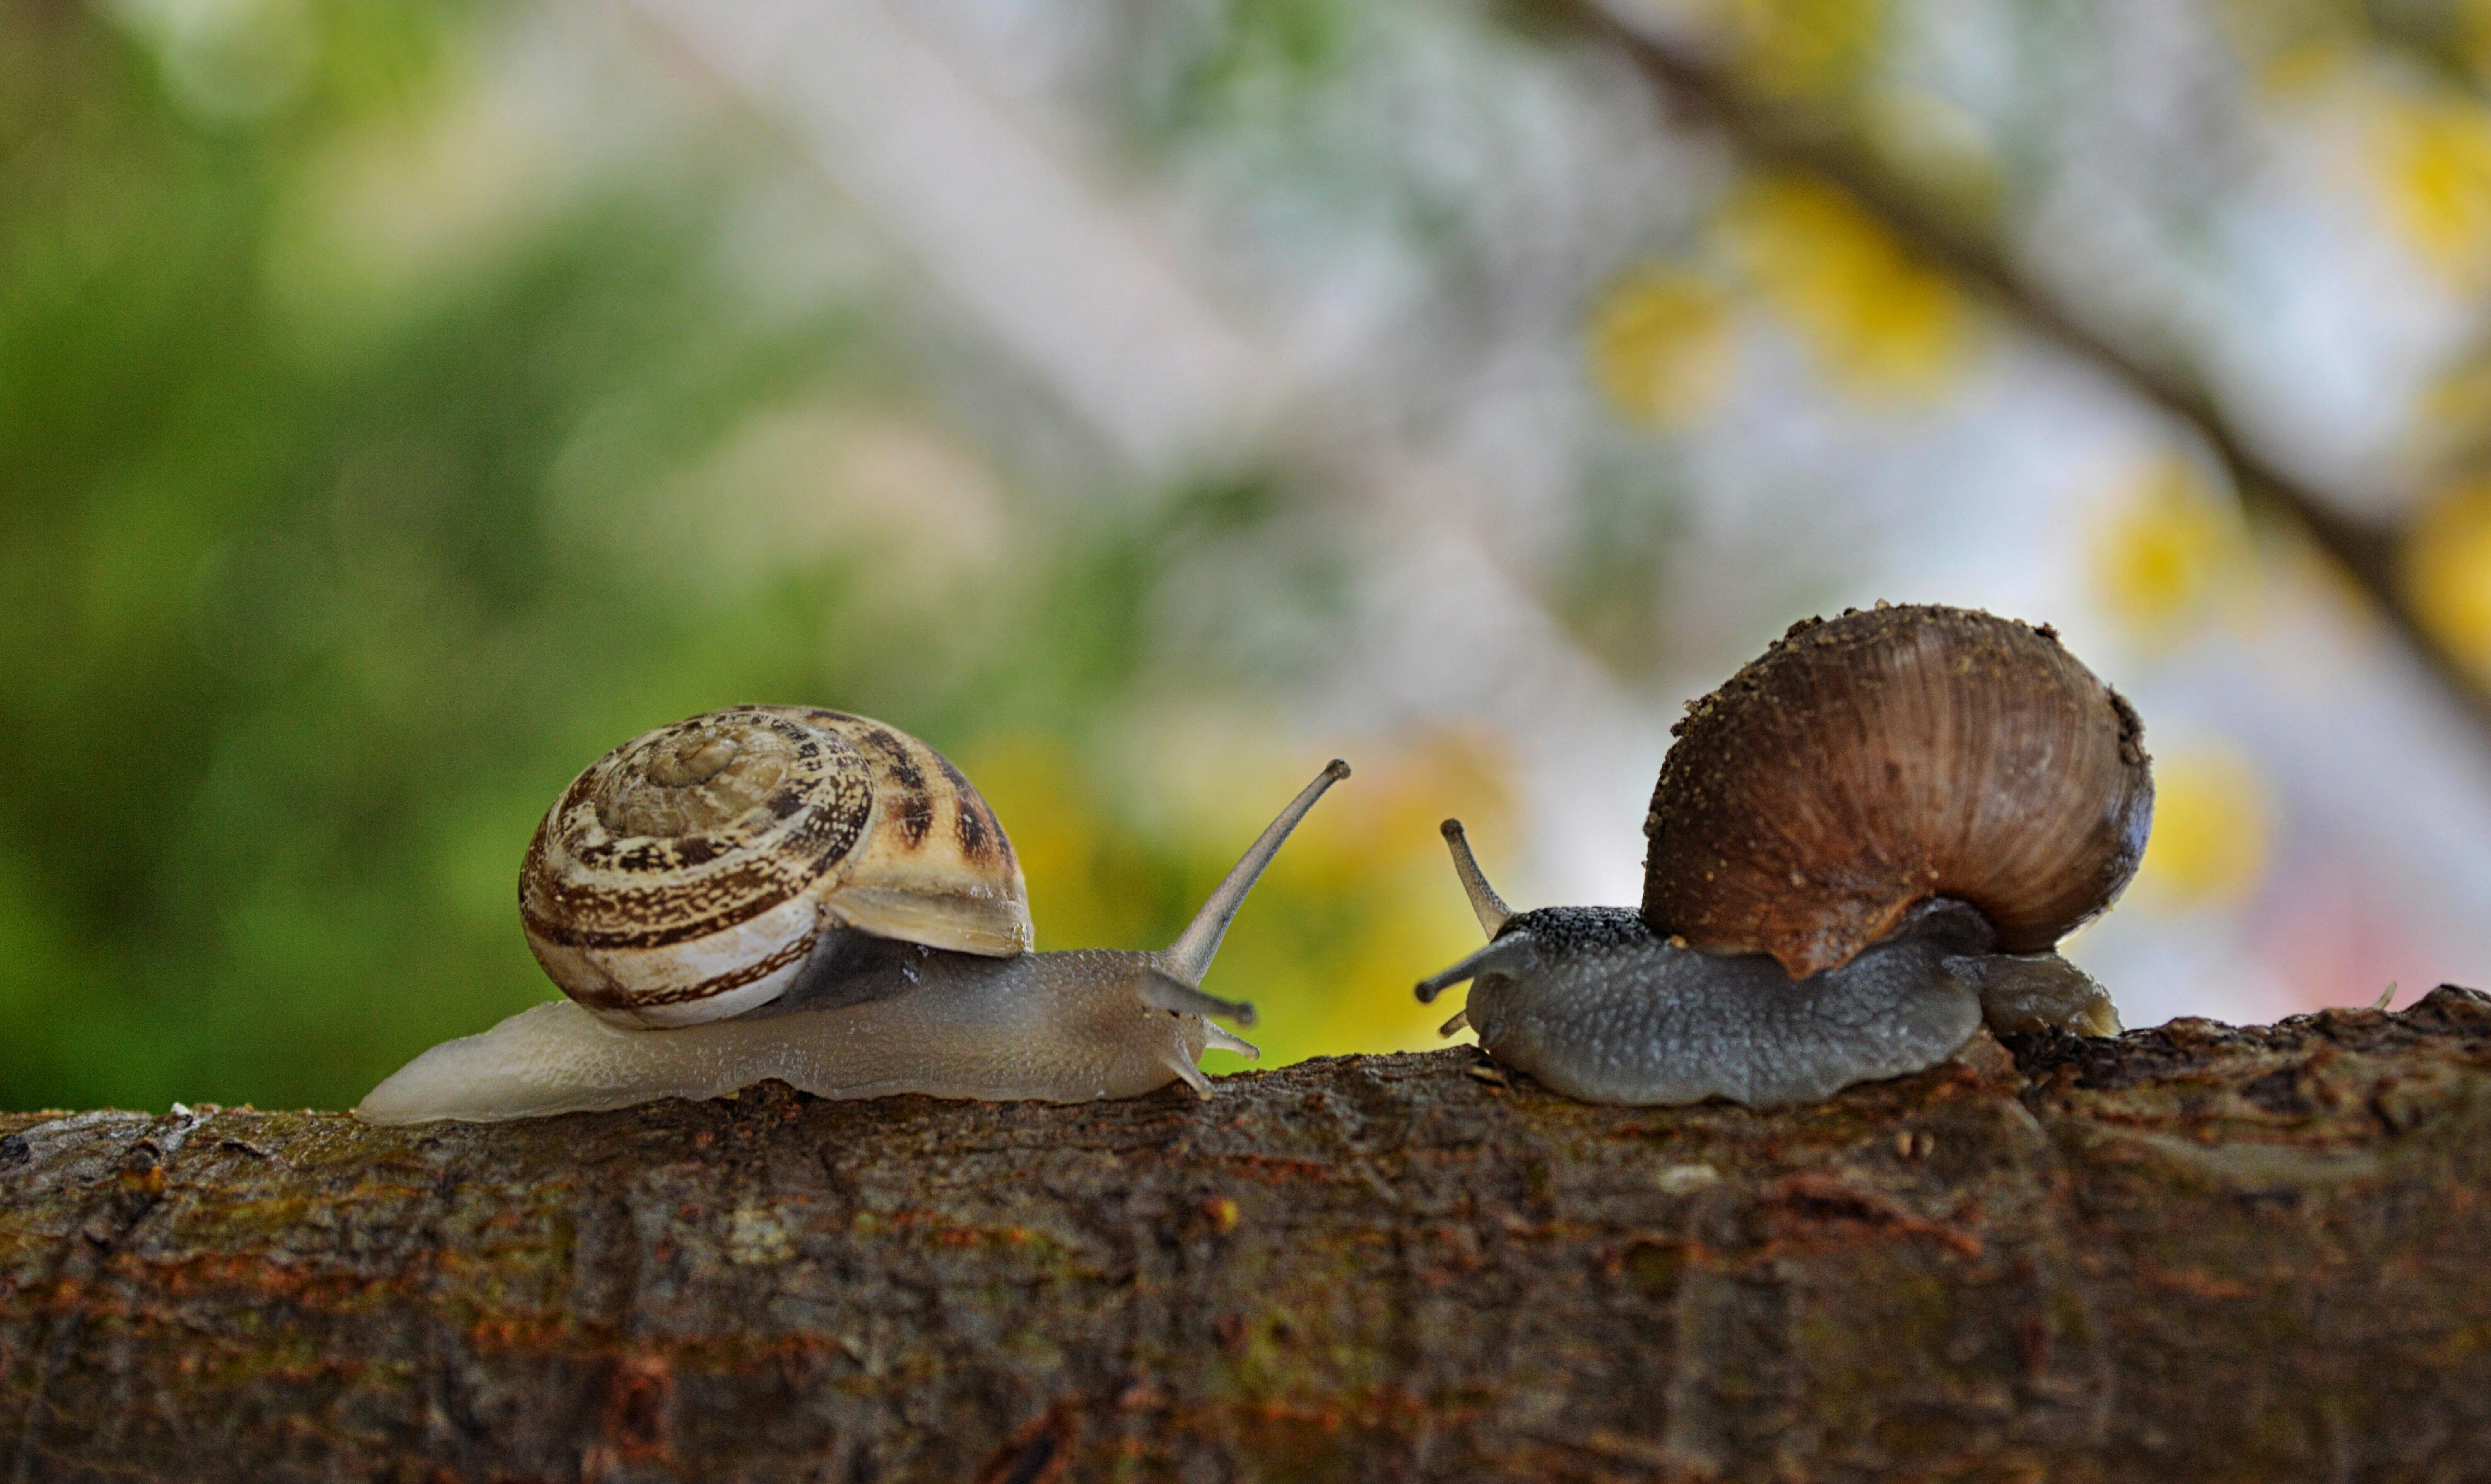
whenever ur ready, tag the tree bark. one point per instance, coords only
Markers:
(2197, 1253)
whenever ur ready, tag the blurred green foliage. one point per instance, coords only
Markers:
(326, 560)
(288, 646)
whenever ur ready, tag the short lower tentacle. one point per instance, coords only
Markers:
(1512, 954)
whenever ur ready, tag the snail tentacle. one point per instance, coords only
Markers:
(1190, 1075)
(1221, 1039)
(1189, 957)
(1514, 955)
(1489, 907)
(1162, 990)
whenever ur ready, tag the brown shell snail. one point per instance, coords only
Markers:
(1861, 846)
(780, 891)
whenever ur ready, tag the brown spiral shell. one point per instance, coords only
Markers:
(1869, 762)
(684, 876)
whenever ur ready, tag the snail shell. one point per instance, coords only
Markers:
(1861, 848)
(689, 874)
(1873, 761)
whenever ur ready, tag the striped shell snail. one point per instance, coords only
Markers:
(1861, 846)
(779, 891)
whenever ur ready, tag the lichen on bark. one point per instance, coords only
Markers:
(2194, 1253)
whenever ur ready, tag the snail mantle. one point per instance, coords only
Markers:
(2198, 1252)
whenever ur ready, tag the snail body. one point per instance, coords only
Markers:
(775, 891)
(1061, 1026)
(1863, 847)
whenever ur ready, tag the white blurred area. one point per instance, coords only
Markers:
(1377, 281)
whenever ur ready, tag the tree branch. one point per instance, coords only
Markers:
(2196, 1253)
(2371, 554)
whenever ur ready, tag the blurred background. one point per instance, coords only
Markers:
(1143, 402)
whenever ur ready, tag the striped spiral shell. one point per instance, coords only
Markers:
(685, 876)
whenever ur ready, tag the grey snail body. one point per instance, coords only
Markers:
(775, 891)
(1863, 847)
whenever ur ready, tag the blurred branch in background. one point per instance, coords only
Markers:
(2444, 36)
(1007, 224)
(2373, 554)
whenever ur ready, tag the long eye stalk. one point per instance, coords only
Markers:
(1166, 991)
(1490, 907)
(1187, 958)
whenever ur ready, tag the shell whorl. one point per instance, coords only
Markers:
(685, 875)
(1873, 761)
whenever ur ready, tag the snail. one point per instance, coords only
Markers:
(1864, 845)
(780, 892)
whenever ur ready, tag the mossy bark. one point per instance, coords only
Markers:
(2197, 1253)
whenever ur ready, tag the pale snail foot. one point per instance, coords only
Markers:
(559, 1058)
(553, 1057)
(1033, 1027)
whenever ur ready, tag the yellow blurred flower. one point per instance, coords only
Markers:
(2435, 168)
(1359, 905)
(1881, 320)
(2170, 547)
(1069, 847)
(2447, 562)
(1662, 346)
(2213, 824)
